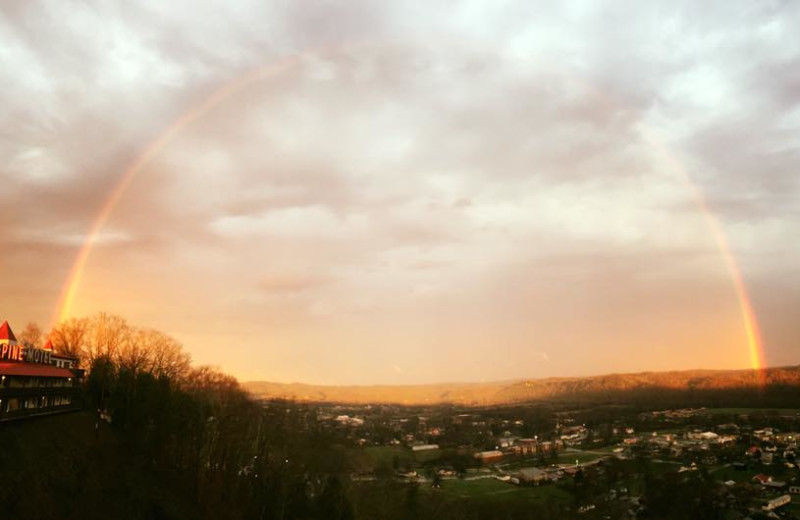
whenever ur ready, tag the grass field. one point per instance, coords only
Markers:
(489, 489)
(794, 507)
(723, 474)
(582, 457)
(607, 449)
(375, 456)
(749, 411)
(511, 464)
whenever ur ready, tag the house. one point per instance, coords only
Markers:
(776, 503)
(571, 471)
(534, 476)
(764, 434)
(526, 446)
(775, 485)
(574, 434)
(487, 457)
(349, 421)
(703, 436)
(794, 490)
(762, 478)
(424, 447)
(60, 360)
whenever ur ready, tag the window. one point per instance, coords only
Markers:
(61, 400)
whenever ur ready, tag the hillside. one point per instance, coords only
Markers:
(730, 383)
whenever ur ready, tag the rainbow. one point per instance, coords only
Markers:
(66, 300)
(752, 331)
(749, 320)
(70, 288)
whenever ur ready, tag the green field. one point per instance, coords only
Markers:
(723, 474)
(607, 449)
(512, 464)
(749, 411)
(384, 456)
(490, 489)
(582, 457)
(794, 507)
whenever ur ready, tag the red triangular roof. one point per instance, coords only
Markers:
(6, 332)
(48, 345)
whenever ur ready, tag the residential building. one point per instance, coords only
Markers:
(775, 503)
(487, 457)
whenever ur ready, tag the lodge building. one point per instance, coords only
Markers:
(35, 381)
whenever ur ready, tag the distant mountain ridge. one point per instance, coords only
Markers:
(605, 387)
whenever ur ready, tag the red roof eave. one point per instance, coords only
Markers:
(32, 369)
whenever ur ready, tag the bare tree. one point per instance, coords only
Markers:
(167, 357)
(69, 337)
(108, 333)
(31, 336)
(134, 354)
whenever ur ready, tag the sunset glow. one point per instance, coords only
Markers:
(64, 309)
(403, 199)
(367, 260)
(749, 319)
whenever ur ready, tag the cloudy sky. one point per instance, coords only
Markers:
(401, 192)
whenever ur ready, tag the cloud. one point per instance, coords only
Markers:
(298, 222)
(288, 283)
(491, 158)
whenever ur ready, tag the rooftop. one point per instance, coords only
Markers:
(6, 334)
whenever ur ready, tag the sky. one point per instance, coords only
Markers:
(405, 192)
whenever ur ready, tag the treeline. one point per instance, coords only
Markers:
(112, 338)
(770, 395)
(189, 442)
(771, 387)
(768, 387)
(162, 439)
